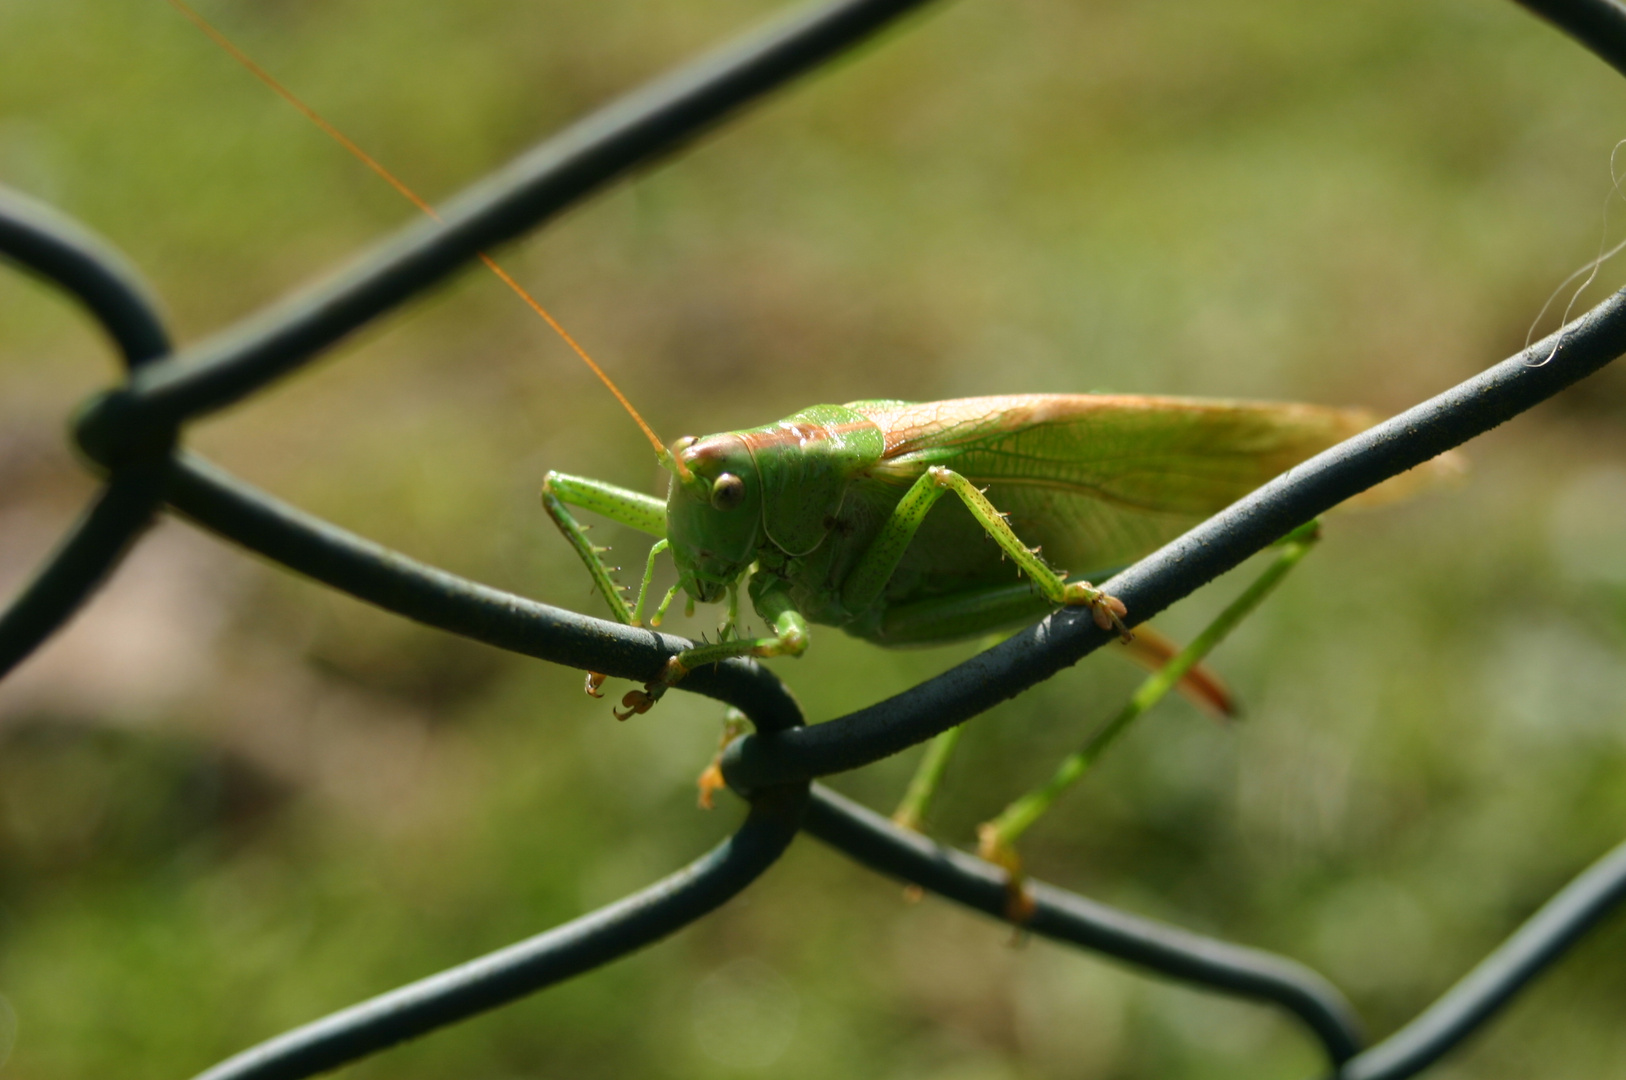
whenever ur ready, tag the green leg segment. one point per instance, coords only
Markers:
(917, 799)
(911, 812)
(643, 586)
(642, 512)
(789, 639)
(633, 509)
(866, 581)
(997, 837)
(666, 602)
(648, 514)
(731, 619)
(789, 634)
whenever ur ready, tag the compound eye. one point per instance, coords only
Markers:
(727, 491)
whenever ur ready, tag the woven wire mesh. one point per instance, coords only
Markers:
(133, 433)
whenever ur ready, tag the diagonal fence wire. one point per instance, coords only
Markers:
(133, 431)
(40, 240)
(565, 951)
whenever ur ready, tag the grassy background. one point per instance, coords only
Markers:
(231, 801)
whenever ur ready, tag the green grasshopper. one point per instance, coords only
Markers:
(833, 513)
(836, 515)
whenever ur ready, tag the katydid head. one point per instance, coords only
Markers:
(713, 513)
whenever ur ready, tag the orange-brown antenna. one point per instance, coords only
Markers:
(411, 196)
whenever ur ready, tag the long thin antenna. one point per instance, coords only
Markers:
(411, 196)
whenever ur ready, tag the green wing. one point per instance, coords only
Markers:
(1096, 480)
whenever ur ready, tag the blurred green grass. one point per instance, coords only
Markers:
(290, 801)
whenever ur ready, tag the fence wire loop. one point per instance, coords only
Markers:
(133, 432)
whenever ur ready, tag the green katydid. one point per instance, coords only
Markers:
(833, 513)
(837, 514)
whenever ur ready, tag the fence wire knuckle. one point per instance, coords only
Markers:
(132, 434)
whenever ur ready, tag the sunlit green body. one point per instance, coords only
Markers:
(1094, 481)
(839, 507)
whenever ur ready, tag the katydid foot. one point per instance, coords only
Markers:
(789, 639)
(711, 778)
(638, 702)
(1107, 611)
(993, 847)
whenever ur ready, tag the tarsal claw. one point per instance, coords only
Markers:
(638, 702)
(1108, 613)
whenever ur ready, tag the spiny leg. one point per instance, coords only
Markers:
(642, 512)
(875, 567)
(996, 839)
(590, 553)
(649, 515)
(1108, 611)
(789, 638)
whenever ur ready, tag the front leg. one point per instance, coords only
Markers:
(772, 601)
(641, 512)
(867, 580)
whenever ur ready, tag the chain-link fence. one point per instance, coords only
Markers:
(133, 433)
